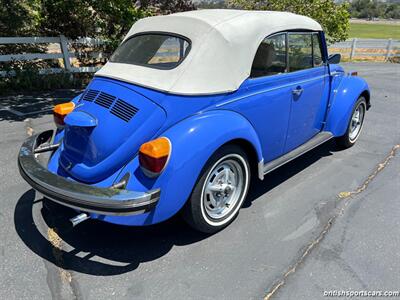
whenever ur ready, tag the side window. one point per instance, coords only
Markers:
(300, 51)
(317, 52)
(270, 58)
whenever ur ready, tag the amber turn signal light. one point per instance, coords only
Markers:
(60, 111)
(154, 155)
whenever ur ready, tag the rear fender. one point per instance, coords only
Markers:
(344, 96)
(60, 133)
(193, 142)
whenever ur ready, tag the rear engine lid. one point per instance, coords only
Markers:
(106, 129)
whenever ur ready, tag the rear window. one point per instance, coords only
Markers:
(160, 51)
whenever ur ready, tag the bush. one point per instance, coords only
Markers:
(25, 76)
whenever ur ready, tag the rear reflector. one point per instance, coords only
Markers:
(60, 111)
(153, 156)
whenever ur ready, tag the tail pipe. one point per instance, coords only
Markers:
(79, 219)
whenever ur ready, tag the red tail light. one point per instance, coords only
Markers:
(154, 155)
(60, 111)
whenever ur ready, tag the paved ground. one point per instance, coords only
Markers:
(294, 239)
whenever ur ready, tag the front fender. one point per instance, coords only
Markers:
(344, 96)
(193, 141)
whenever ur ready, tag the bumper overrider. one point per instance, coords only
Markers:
(82, 197)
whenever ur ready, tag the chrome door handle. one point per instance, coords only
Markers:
(297, 91)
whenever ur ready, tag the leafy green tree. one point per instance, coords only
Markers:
(368, 9)
(211, 4)
(80, 18)
(108, 20)
(167, 6)
(103, 19)
(392, 11)
(333, 17)
(18, 17)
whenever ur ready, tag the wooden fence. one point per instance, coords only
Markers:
(368, 48)
(65, 54)
(351, 48)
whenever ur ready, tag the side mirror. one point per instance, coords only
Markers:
(334, 58)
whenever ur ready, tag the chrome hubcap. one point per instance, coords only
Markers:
(356, 122)
(223, 188)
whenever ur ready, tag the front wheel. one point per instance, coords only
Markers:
(355, 125)
(220, 190)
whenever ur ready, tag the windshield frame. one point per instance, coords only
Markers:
(165, 33)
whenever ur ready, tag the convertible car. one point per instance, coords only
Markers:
(190, 108)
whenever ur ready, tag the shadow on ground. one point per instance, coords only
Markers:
(105, 249)
(20, 107)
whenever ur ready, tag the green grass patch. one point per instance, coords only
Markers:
(374, 31)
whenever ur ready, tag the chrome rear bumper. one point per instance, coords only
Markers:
(83, 197)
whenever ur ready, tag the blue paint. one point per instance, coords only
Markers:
(99, 145)
(193, 142)
(307, 109)
(80, 119)
(345, 92)
(92, 154)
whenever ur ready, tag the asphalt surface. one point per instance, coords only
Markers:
(328, 220)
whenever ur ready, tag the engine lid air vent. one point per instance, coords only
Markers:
(124, 110)
(105, 100)
(90, 95)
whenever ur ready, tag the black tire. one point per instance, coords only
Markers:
(195, 210)
(347, 140)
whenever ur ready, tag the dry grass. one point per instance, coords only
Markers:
(362, 54)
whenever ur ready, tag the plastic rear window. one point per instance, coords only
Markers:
(153, 50)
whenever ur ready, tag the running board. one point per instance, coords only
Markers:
(317, 140)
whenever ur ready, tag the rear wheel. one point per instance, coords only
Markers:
(220, 190)
(355, 125)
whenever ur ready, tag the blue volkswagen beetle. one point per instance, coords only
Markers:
(188, 109)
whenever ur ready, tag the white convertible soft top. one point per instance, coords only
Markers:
(223, 46)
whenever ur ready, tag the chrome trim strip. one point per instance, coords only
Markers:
(317, 140)
(270, 90)
(105, 201)
(100, 212)
(336, 73)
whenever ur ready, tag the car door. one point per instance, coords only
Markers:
(309, 90)
(266, 96)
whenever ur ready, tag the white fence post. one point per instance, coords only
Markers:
(353, 48)
(65, 52)
(65, 55)
(388, 49)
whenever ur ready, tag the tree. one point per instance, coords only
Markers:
(18, 17)
(211, 4)
(333, 17)
(370, 9)
(393, 11)
(108, 20)
(167, 6)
